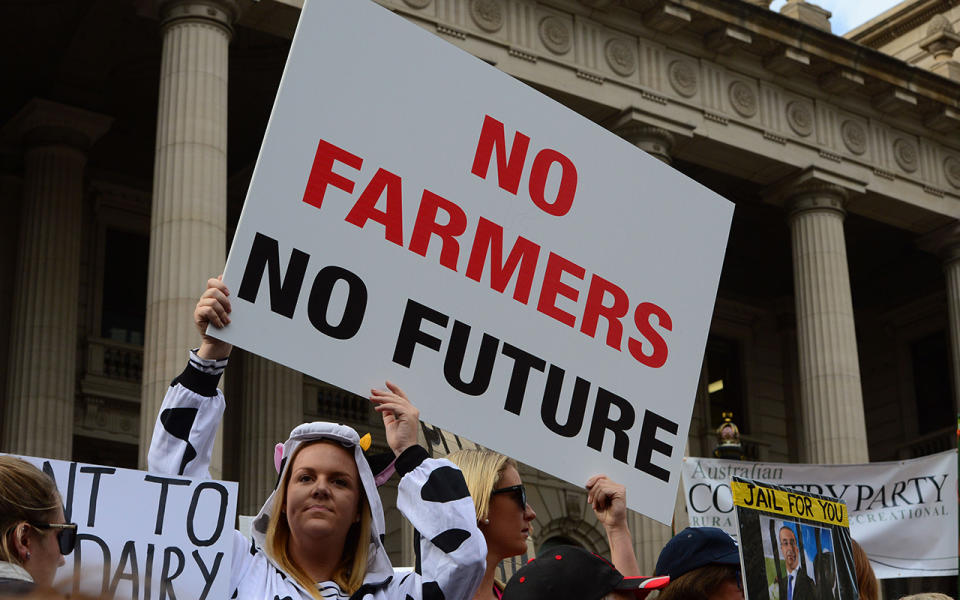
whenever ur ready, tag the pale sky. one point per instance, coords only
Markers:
(847, 14)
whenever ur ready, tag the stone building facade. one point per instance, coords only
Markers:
(129, 131)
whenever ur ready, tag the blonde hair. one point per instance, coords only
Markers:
(26, 494)
(867, 585)
(482, 470)
(352, 567)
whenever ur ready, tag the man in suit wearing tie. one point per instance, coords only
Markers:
(799, 584)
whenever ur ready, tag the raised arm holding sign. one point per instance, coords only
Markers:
(319, 534)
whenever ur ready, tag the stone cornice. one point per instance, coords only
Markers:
(748, 81)
(898, 21)
(830, 48)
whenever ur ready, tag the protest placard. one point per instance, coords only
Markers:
(533, 281)
(903, 513)
(793, 545)
(143, 535)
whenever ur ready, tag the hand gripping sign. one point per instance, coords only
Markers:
(144, 536)
(534, 282)
(793, 545)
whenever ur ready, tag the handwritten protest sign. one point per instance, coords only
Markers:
(903, 513)
(793, 544)
(142, 535)
(533, 281)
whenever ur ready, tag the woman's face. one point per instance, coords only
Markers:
(45, 555)
(509, 525)
(323, 493)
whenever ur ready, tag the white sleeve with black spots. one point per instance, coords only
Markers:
(452, 552)
(189, 417)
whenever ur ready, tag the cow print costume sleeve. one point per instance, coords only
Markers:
(189, 418)
(433, 496)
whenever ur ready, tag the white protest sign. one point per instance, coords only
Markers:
(903, 513)
(144, 535)
(533, 281)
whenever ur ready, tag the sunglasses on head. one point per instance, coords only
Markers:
(519, 494)
(66, 534)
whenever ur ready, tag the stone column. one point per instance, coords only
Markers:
(41, 378)
(831, 399)
(951, 267)
(945, 243)
(188, 219)
(272, 407)
(10, 192)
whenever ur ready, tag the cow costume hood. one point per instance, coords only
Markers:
(378, 563)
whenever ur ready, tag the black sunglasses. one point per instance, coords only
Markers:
(66, 534)
(519, 494)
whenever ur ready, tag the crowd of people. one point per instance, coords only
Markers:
(320, 533)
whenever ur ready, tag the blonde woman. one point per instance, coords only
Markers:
(505, 518)
(319, 534)
(35, 536)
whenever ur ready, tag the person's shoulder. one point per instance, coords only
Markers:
(10, 586)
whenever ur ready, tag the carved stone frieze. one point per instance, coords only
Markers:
(683, 77)
(800, 117)
(667, 78)
(906, 155)
(743, 98)
(951, 170)
(620, 56)
(854, 136)
(555, 34)
(487, 14)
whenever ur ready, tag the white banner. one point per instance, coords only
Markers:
(533, 281)
(142, 535)
(903, 513)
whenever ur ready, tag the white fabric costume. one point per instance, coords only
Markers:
(451, 552)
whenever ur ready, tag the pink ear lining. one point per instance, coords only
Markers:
(278, 456)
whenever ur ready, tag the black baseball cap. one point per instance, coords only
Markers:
(696, 547)
(573, 573)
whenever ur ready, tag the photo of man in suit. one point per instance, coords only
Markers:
(799, 585)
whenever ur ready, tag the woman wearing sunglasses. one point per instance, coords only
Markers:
(35, 537)
(505, 518)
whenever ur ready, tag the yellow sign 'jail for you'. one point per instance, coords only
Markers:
(786, 503)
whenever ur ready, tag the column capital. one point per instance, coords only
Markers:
(653, 133)
(944, 242)
(222, 13)
(814, 189)
(817, 196)
(44, 123)
(655, 141)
